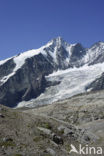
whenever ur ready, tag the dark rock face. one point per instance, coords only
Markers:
(6, 68)
(61, 57)
(27, 83)
(77, 53)
(98, 84)
(99, 59)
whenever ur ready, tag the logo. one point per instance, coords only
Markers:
(86, 150)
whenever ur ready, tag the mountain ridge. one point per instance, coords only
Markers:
(22, 77)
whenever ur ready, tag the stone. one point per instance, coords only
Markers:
(1, 115)
(57, 139)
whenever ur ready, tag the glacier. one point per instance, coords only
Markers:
(72, 82)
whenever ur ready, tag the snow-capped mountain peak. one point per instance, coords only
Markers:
(50, 50)
(58, 41)
(22, 77)
(95, 54)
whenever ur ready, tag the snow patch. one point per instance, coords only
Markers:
(4, 61)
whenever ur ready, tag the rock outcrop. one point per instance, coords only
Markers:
(98, 84)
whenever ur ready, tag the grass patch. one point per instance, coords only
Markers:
(47, 125)
(7, 144)
(17, 154)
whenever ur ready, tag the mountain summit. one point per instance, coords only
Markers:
(23, 77)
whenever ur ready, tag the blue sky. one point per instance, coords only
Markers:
(29, 24)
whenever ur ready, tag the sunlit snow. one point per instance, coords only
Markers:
(4, 61)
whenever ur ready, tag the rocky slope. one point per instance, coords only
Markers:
(98, 84)
(50, 130)
(22, 77)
